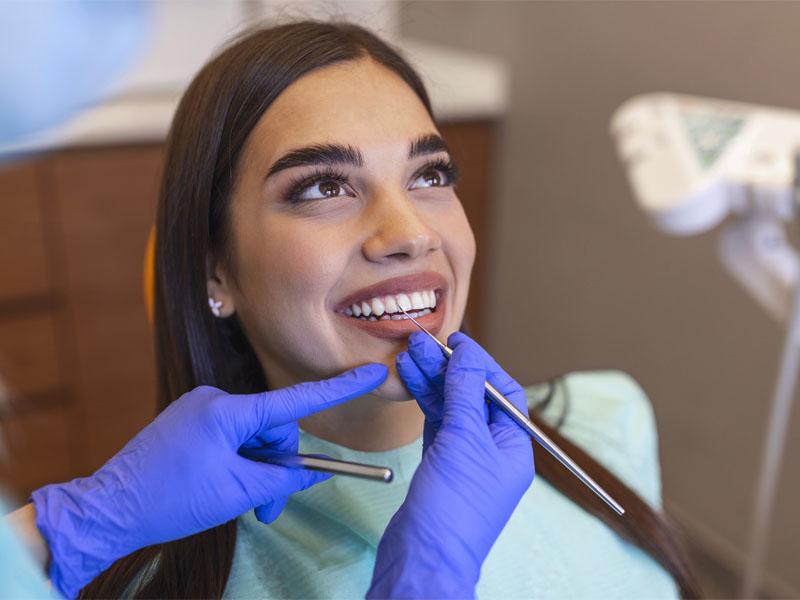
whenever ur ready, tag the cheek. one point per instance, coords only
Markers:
(469, 248)
(296, 264)
(460, 247)
(285, 275)
(460, 241)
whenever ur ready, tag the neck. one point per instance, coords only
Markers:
(368, 423)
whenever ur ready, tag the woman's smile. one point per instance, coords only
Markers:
(376, 309)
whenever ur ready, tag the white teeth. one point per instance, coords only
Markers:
(377, 307)
(416, 301)
(403, 302)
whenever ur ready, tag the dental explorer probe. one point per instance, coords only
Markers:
(537, 434)
(313, 462)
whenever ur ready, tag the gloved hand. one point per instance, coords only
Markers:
(182, 475)
(476, 465)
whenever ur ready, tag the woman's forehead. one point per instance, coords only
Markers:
(362, 104)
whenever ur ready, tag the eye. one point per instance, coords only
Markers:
(323, 189)
(319, 186)
(436, 174)
(430, 178)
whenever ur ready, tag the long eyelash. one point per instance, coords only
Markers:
(299, 184)
(446, 166)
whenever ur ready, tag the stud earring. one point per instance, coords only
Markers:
(215, 305)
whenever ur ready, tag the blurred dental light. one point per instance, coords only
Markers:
(58, 57)
(695, 163)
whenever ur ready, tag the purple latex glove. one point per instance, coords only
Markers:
(182, 475)
(476, 465)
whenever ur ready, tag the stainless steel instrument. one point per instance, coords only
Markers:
(320, 463)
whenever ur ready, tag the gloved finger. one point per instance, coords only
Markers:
(427, 396)
(464, 389)
(265, 484)
(505, 431)
(267, 513)
(495, 375)
(282, 439)
(250, 414)
(428, 356)
(510, 438)
(430, 359)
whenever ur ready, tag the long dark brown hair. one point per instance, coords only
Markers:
(214, 118)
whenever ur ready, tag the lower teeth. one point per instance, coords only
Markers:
(396, 317)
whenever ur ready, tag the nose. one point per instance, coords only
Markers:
(399, 230)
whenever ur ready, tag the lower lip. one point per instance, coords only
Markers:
(401, 329)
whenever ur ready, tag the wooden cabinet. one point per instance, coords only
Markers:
(29, 358)
(76, 350)
(106, 202)
(40, 449)
(76, 353)
(23, 249)
(472, 145)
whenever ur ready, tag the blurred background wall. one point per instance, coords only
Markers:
(579, 277)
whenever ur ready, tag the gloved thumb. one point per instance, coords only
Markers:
(428, 397)
(464, 390)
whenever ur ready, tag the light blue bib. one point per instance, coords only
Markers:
(20, 577)
(323, 544)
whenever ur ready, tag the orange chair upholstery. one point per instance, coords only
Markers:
(149, 276)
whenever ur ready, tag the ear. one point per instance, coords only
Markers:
(218, 285)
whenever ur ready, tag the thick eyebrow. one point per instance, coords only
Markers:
(427, 144)
(318, 154)
(338, 154)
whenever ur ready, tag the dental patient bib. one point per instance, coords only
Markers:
(324, 543)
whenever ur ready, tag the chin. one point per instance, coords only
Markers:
(393, 388)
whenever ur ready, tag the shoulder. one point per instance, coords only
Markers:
(608, 414)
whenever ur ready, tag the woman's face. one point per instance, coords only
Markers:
(343, 196)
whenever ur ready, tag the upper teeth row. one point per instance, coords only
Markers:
(393, 304)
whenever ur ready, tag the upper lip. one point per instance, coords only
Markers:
(428, 280)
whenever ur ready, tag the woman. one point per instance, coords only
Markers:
(304, 181)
